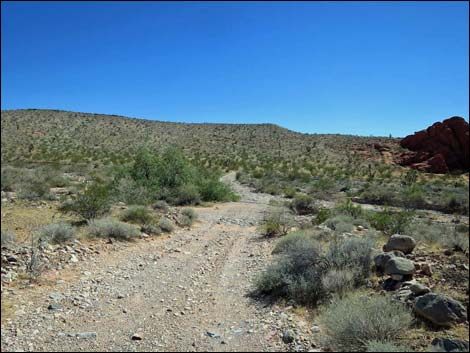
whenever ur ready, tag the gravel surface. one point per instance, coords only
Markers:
(186, 292)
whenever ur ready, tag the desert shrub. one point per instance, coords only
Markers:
(187, 194)
(170, 176)
(137, 214)
(390, 222)
(302, 204)
(285, 244)
(7, 237)
(323, 187)
(379, 194)
(111, 228)
(354, 254)
(161, 205)
(33, 188)
(276, 223)
(166, 225)
(128, 191)
(9, 178)
(456, 241)
(151, 229)
(427, 231)
(187, 217)
(90, 204)
(349, 209)
(297, 274)
(58, 233)
(322, 215)
(381, 346)
(352, 322)
(289, 192)
(340, 224)
(339, 281)
(211, 189)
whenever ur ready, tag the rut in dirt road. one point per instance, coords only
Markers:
(186, 293)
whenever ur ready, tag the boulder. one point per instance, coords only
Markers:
(449, 345)
(440, 309)
(403, 243)
(381, 259)
(441, 148)
(399, 266)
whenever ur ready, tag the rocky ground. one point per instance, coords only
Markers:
(186, 292)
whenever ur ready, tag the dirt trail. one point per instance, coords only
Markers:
(185, 293)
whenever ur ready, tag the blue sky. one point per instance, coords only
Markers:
(360, 68)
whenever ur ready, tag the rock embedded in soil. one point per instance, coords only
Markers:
(440, 309)
(449, 345)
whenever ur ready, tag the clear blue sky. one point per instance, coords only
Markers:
(321, 67)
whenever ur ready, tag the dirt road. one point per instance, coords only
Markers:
(187, 292)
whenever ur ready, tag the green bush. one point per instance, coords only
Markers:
(187, 194)
(352, 322)
(349, 209)
(137, 214)
(390, 222)
(90, 204)
(166, 225)
(128, 191)
(302, 204)
(111, 228)
(58, 233)
(322, 215)
(276, 223)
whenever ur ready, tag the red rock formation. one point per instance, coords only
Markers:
(440, 148)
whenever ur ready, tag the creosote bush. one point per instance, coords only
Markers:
(110, 228)
(137, 214)
(276, 223)
(92, 203)
(352, 322)
(379, 346)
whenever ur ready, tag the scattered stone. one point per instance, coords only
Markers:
(136, 337)
(440, 309)
(86, 335)
(449, 345)
(403, 243)
(54, 307)
(288, 337)
(212, 334)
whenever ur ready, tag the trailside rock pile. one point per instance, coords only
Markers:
(396, 262)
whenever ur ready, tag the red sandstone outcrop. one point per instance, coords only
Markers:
(441, 148)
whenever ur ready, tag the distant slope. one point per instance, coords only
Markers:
(51, 135)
